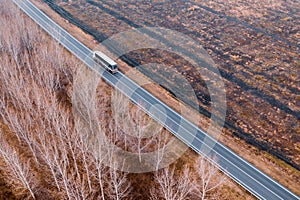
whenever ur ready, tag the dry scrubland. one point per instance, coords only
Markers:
(45, 146)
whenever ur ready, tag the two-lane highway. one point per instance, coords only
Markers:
(255, 181)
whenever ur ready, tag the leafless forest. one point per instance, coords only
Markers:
(44, 155)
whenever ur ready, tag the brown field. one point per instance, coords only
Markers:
(256, 54)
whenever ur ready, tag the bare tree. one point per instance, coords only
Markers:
(100, 173)
(19, 172)
(203, 181)
(139, 130)
(172, 186)
(209, 178)
(118, 185)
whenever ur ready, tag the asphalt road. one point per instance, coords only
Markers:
(245, 174)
